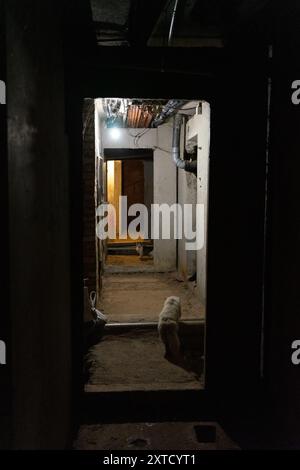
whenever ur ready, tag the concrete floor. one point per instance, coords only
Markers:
(139, 297)
(134, 361)
(154, 436)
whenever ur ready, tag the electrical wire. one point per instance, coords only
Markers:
(137, 137)
(160, 148)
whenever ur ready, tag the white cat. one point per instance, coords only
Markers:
(168, 328)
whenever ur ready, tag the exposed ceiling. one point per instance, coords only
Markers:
(131, 112)
(139, 113)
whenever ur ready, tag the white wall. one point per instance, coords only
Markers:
(165, 191)
(198, 128)
(187, 194)
(128, 138)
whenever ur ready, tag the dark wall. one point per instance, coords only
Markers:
(283, 299)
(236, 229)
(46, 246)
(39, 226)
(5, 370)
(89, 203)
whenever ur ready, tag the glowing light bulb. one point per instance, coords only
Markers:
(115, 133)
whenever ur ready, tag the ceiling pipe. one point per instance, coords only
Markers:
(190, 166)
(168, 110)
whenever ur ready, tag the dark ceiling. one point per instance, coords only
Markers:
(197, 22)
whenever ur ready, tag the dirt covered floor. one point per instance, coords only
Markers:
(157, 436)
(134, 360)
(139, 297)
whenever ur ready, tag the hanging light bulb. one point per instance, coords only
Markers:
(114, 133)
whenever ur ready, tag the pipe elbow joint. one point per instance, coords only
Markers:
(178, 162)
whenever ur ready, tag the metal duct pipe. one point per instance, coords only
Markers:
(182, 164)
(168, 110)
(176, 142)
